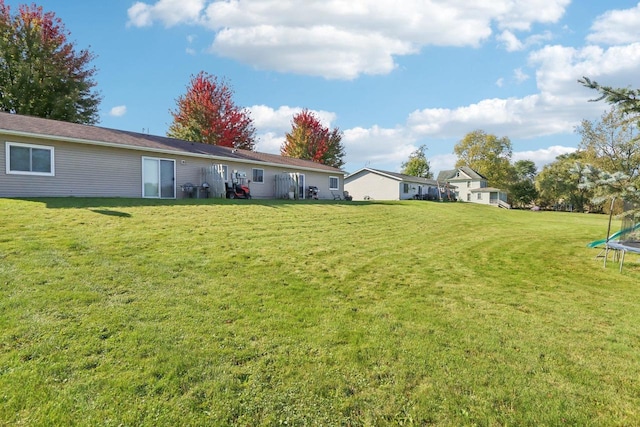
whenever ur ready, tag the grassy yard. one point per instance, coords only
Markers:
(142, 313)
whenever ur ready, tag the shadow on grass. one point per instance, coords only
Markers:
(111, 213)
(95, 203)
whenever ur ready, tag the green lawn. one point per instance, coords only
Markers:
(142, 313)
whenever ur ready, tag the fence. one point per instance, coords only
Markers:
(214, 176)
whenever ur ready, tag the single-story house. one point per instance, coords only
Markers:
(49, 158)
(375, 184)
(472, 187)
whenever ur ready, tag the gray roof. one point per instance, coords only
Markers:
(397, 176)
(451, 174)
(52, 129)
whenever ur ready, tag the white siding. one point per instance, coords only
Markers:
(80, 171)
(373, 186)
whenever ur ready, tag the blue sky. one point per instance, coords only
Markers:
(392, 75)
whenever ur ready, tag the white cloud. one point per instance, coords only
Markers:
(343, 39)
(527, 117)
(510, 41)
(118, 111)
(139, 15)
(520, 75)
(500, 82)
(265, 117)
(616, 27)
(442, 162)
(269, 142)
(169, 12)
(559, 68)
(190, 39)
(520, 15)
(542, 156)
(377, 146)
(319, 50)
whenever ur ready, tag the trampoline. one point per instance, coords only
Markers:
(621, 248)
(625, 240)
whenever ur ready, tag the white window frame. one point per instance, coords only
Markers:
(479, 196)
(225, 172)
(337, 186)
(8, 146)
(159, 160)
(253, 175)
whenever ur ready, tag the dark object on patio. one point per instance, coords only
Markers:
(312, 192)
(344, 196)
(188, 189)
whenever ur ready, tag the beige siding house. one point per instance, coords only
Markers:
(375, 184)
(472, 187)
(48, 158)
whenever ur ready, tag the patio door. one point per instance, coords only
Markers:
(158, 178)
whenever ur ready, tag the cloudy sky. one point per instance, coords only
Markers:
(392, 75)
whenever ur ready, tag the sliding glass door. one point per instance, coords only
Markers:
(158, 178)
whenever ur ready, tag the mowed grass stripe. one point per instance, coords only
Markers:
(205, 312)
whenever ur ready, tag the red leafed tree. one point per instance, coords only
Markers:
(41, 72)
(310, 140)
(207, 113)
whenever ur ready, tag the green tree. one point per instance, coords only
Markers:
(523, 190)
(310, 140)
(488, 155)
(207, 114)
(612, 143)
(627, 99)
(41, 72)
(418, 165)
(525, 170)
(559, 183)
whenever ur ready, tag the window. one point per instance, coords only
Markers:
(468, 197)
(225, 173)
(405, 188)
(258, 175)
(479, 196)
(468, 184)
(333, 183)
(29, 159)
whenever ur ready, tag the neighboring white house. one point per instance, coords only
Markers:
(49, 158)
(375, 184)
(472, 187)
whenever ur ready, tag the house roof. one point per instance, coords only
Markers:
(395, 176)
(19, 125)
(451, 174)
